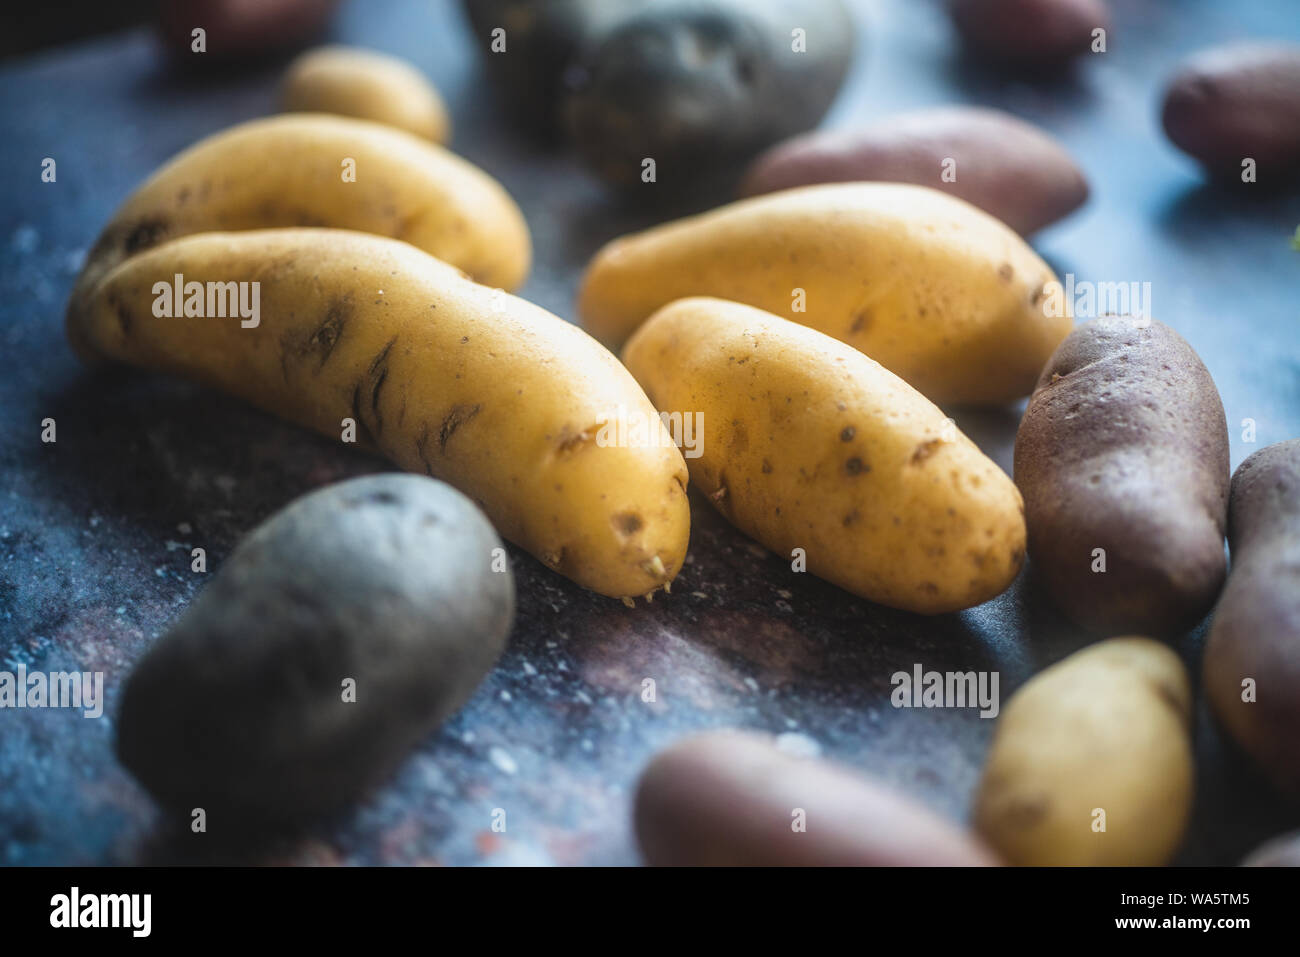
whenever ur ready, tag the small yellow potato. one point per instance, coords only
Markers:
(471, 385)
(935, 290)
(307, 169)
(809, 444)
(368, 85)
(1099, 740)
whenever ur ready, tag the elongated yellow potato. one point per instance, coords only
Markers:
(935, 290)
(809, 444)
(471, 385)
(1092, 761)
(368, 85)
(296, 170)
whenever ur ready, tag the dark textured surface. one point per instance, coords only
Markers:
(95, 530)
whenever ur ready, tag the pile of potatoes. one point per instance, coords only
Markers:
(815, 325)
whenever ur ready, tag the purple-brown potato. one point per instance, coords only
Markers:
(1005, 166)
(238, 28)
(1122, 459)
(733, 799)
(1238, 102)
(1034, 33)
(1256, 629)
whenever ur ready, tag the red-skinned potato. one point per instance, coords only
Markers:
(1255, 636)
(729, 798)
(238, 28)
(1005, 166)
(1231, 103)
(1037, 33)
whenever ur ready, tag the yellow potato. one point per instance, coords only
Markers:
(468, 384)
(291, 171)
(368, 85)
(933, 289)
(1104, 732)
(808, 444)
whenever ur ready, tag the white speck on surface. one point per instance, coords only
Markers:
(583, 697)
(505, 696)
(184, 528)
(503, 761)
(25, 239)
(172, 546)
(798, 745)
(529, 669)
(160, 571)
(751, 684)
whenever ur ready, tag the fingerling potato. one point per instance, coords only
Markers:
(810, 445)
(367, 85)
(936, 291)
(1122, 457)
(1091, 762)
(1252, 655)
(471, 385)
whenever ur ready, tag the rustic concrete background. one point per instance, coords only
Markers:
(95, 530)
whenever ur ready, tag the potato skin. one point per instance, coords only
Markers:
(386, 580)
(726, 798)
(471, 385)
(1106, 728)
(1256, 628)
(544, 39)
(1282, 851)
(238, 28)
(810, 444)
(936, 291)
(702, 86)
(1124, 447)
(1236, 101)
(1010, 169)
(1028, 33)
(367, 85)
(287, 171)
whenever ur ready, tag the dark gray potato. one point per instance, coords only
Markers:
(385, 580)
(1283, 851)
(543, 41)
(1232, 102)
(1124, 447)
(1003, 165)
(1256, 628)
(728, 798)
(702, 86)
(1029, 33)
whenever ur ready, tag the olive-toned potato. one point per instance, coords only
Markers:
(1029, 33)
(1283, 851)
(811, 445)
(1252, 655)
(1232, 103)
(368, 85)
(1091, 763)
(698, 87)
(1122, 458)
(933, 289)
(729, 798)
(543, 39)
(1005, 166)
(444, 376)
(337, 635)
